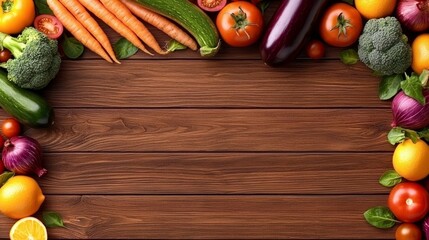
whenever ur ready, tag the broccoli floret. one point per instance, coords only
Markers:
(36, 60)
(383, 47)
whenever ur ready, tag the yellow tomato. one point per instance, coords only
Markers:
(15, 15)
(420, 48)
(411, 160)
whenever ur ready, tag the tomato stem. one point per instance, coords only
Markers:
(342, 25)
(241, 22)
(7, 6)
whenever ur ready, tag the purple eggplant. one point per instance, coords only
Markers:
(289, 30)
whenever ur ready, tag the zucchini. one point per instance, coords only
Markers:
(192, 19)
(26, 106)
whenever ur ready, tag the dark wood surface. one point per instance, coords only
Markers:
(181, 147)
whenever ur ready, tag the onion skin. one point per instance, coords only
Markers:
(408, 113)
(22, 155)
(413, 14)
(425, 227)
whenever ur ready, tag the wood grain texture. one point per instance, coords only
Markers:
(232, 84)
(212, 217)
(256, 130)
(215, 173)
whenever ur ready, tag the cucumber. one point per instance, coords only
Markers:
(192, 19)
(27, 107)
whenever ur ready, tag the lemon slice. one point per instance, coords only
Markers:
(28, 228)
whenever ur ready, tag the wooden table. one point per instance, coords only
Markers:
(221, 148)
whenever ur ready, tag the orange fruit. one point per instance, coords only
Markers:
(28, 228)
(420, 49)
(20, 197)
(375, 8)
(411, 160)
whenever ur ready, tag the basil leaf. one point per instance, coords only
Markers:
(413, 88)
(349, 56)
(390, 178)
(389, 86)
(396, 135)
(380, 217)
(5, 176)
(124, 48)
(424, 134)
(42, 7)
(72, 47)
(52, 219)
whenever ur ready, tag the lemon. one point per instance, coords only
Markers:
(411, 160)
(28, 228)
(20, 197)
(375, 8)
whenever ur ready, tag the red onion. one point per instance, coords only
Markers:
(408, 113)
(413, 14)
(23, 155)
(425, 227)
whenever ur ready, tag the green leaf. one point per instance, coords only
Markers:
(72, 47)
(413, 88)
(396, 135)
(424, 134)
(389, 86)
(124, 48)
(390, 178)
(5, 176)
(42, 7)
(349, 56)
(52, 219)
(380, 217)
(424, 77)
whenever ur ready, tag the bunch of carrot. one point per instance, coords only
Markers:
(120, 15)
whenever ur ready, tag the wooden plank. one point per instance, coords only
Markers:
(215, 173)
(229, 84)
(255, 130)
(212, 217)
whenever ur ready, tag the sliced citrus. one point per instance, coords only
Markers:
(28, 228)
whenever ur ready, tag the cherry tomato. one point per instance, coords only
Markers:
(15, 15)
(10, 127)
(315, 49)
(5, 55)
(49, 25)
(409, 201)
(240, 23)
(408, 231)
(341, 25)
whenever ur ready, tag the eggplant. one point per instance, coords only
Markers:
(289, 30)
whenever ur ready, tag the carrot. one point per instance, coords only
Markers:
(76, 28)
(83, 16)
(162, 23)
(98, 9)
(122, 13)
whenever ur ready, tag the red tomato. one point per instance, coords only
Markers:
(10, 127)
(409, 201)
(341, 25)
(5, 55)
(49, 25)
(315, 49)
(240, 23)
(408, 231)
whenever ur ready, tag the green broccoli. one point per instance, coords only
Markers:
(36, 60)
(383, 47)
